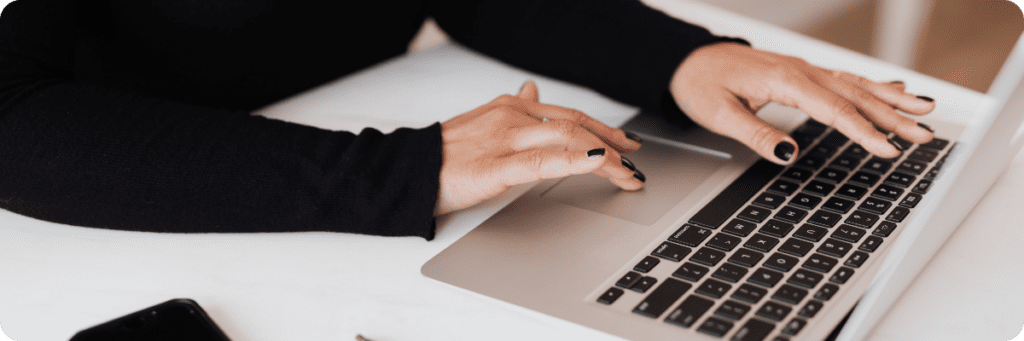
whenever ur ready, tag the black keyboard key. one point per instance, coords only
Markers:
(803, 140)
(819, 188)
(688, 312)
(794, 326)
(739, 227)
(609, 297)
(770, 201)
(864, 179)
(790, 294)
(835, 139)
(862, 219)
(936, 144)
(760, 242)
(887, 192)
(824, 218)
(855, 150)
(796, 247)
(841, 276)
(812, 127)
(661, 298)
(754, 330)
(884, 229)
(746, 257)
(933, 173)
(690, 235)
(738, 193)
(791, 214)
(628, 279)
(902, 142)
(774, 311)
(730, 273)
(690, 272)
(805, 201)
(835, 248)
(852, 192)
(798, 174)
(856, 259)
(715, 327)
(805, 278)
(708, 256)
(811, 162)
(823, 151)
(845, 162)
(811, 233)
(838, 205)
(783, 187)
(849, 233)
(820, 263)
(832, 175)
(877, 165)
(781, 262)
(749, 293)
(732, 310)
(754, 214)
(875, 205)
(765, 277)
(724, 242)
(810, 309)
(643, 284)
(923, 154)
(898, 214)
(912, 167)
(900, 179)
(776, 228)
(713, 288)
(646, 264)
(671, 251)
(826, 292)
(871, 244)
(922, 186)
(911, 200)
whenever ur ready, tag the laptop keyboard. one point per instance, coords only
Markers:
(768, 252)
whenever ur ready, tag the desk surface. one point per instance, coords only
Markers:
(59, 279)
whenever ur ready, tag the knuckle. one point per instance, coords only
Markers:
(763, 137)
(505, 99)
(565, 128)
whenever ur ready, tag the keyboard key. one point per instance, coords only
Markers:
(774, 311)
(671, 251)
(732, 310)
(715, 327)
(922, 186)
(841, 276)
(643, 284)
(708, 256)
(690, 235)
(765, 277)
(875, 205)
(811, 162)
(770, 201)
(783, 187)
(776, 228)
(819, 188)
(810, 309)
(628, 279)
(713, 288)
(862, 219)
(902, 142)
(689, 311)
(805, 201)
(811, 233)
(933, 173)
(812, 127)
(852, 192)
(871, 244)
(730, 273)
(832, 175)
(749, 293)
(796, 247)
(690, 272)
(887, 192)
(835, 248)
(781, 262)
(746, 257)
(912, 167)
(900, 179)
(791, 214)
(855, 150)
(823, 151)
(609, 297)
(736, 194)
(794, 326)
(798, 174)
(646, 264)
(884, 229)
(760, 242)
(877, 165)
(845, 162)
(838, 205)
(856, 259)
(754, 330)
(864, 179)
(835, 139)
(790, 294)
(724, 242)
(820, 263)
(739, 227)
(826, 292)
(823, 218)
(849, 233)
(898, 214)
(911, 200)
(754, 214)
(923, 154)
(936, 144)
(804, 278)
(661, 298)
(803, 140)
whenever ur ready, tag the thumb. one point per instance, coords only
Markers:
(736, 121)
(529, 92)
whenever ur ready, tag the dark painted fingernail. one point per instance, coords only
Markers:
(896, 82)
(639, 176)
(628, 164)
(926, 98)
(634, 137)
(895, 145)
(595, 153)
(925, 126)
(784, 150)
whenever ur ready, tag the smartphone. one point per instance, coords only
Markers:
(177, 319)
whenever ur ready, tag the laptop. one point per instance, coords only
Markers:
(721, 245)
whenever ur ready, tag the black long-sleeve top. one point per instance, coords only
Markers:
(135, 114)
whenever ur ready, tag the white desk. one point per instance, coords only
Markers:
(323, 286)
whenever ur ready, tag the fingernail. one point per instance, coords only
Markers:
(784, 150)
(896, 145)
(633, 137)
(925, 126)
(595, 153)
(926, 98)
(639, 176)
(896, 82)
(628, 164)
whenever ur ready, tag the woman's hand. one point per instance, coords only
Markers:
(721, 86)
(515, 139)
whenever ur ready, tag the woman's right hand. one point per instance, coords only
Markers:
(516, 139)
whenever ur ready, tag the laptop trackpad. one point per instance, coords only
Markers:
(672, 173)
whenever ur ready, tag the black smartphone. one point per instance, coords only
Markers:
(177, 319)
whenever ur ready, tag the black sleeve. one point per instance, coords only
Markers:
(620, 48)
(91, 156)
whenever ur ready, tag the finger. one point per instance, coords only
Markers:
(616, 138)
(528, 92)
(632, 183)
(893, 94)
(733, 119)
(881, 114)
(566, 135)
(538, 164)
